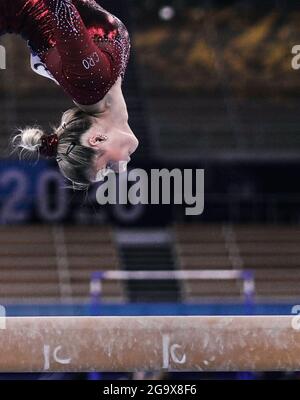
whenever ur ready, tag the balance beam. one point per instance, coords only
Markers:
(82, 344)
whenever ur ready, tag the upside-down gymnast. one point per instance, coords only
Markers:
(84, 49)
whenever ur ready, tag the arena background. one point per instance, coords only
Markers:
(209, 85)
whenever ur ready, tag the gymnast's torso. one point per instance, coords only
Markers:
(76, 43)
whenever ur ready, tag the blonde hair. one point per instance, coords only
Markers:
(74, 159)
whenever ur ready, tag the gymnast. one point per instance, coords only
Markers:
(84, 49)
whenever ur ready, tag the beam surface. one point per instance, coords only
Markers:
(78, 344)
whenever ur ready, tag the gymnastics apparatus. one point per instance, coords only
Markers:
(189, 343)
(85, 50)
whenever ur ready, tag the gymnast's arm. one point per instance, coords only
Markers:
(82, 69)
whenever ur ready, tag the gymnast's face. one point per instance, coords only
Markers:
(113, 146)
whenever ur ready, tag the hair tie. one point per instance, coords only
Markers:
(49, 145)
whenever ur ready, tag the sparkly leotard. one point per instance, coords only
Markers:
(77, 43)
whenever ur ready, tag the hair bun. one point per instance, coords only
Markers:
(35, 141)
(28, 140)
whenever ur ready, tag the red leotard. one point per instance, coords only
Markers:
(81, 45)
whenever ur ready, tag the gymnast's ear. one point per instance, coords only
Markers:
(97, 139)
